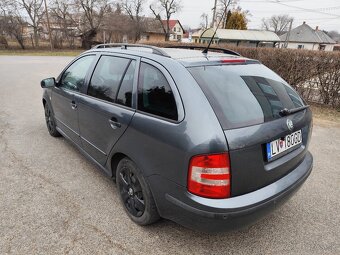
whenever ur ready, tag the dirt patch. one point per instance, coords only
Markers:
(325, 116)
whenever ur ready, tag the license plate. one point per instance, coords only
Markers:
(278, 146)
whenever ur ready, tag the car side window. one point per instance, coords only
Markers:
(154, 93)
(124, 96)
(74, 76)
(107, 77)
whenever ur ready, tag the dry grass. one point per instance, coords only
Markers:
(71, 53)
(325, 113)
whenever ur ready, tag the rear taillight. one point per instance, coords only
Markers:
(209, 176)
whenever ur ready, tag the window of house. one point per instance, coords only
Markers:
(301, 46)
(107, 77)
(154, 93)
(174, 29)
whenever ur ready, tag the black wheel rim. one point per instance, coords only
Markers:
(131, 192)
(49, 119)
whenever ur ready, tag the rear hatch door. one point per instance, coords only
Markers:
(265, 141)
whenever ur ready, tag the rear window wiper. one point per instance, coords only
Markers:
(285, 111)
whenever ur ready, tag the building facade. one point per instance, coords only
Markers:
(245, 38)
(305, 37)
(176, 30)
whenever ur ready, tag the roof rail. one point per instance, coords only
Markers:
(193, 47)
(155, 50)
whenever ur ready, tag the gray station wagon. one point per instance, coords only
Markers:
(212, 141)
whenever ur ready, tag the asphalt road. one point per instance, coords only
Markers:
(54, 201)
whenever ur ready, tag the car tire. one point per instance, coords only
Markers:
(135, 194)
(50, 122)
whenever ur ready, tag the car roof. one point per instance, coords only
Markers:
(187, 56)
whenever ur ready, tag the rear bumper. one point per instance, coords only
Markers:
(215, 215)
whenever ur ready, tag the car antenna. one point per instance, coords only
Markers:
(212, 38)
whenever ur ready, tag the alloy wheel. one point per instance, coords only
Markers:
(131, 192)
(49, 119)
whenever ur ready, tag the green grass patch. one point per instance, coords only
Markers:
(70, 53)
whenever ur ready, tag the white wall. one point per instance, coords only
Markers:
(329, 47)
(179, 31)
(307, 46)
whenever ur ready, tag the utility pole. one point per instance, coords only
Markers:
(285, 45)
(214, 14)
(48, 26)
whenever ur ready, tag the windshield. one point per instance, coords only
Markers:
(244, 95)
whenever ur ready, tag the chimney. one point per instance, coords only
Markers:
(317, 28)
(304, 22)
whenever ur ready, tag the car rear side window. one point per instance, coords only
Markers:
(107, 77)
(154, 93)
(244, 95)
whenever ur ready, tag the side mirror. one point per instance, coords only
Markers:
(48, 83)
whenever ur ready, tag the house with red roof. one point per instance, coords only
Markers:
(176, 29)
(154, 30)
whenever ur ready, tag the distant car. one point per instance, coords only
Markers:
(212, 141)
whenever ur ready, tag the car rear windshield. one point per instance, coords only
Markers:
(244, 95)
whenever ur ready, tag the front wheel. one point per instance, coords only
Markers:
(135, 194)
(50, 122)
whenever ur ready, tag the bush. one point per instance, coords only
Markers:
(314, 74)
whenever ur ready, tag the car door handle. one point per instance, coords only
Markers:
(74, 105)
(114, 123)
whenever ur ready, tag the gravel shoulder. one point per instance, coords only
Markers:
(54, 201)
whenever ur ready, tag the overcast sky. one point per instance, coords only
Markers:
(322, 13)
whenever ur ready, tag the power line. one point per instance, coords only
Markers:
(301, 8)
(264, 1)
(297, 19)
(298, 11)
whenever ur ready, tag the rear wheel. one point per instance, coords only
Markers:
(135, 194)
(50, 122)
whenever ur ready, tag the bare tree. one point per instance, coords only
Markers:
(166, 8)
(223, 7)
(277, 23)
(63, 18)
(335, 35)
(119, 26)
(92, 18)
(204, 21)
(3, 14)
(134, 9)
(14, 28)
(35, 12)
(11, 23)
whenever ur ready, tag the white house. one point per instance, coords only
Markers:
(305, 37)
(176, 29)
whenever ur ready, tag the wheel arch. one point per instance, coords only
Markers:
(115, 159)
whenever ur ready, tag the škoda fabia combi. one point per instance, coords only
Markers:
(210, 140)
